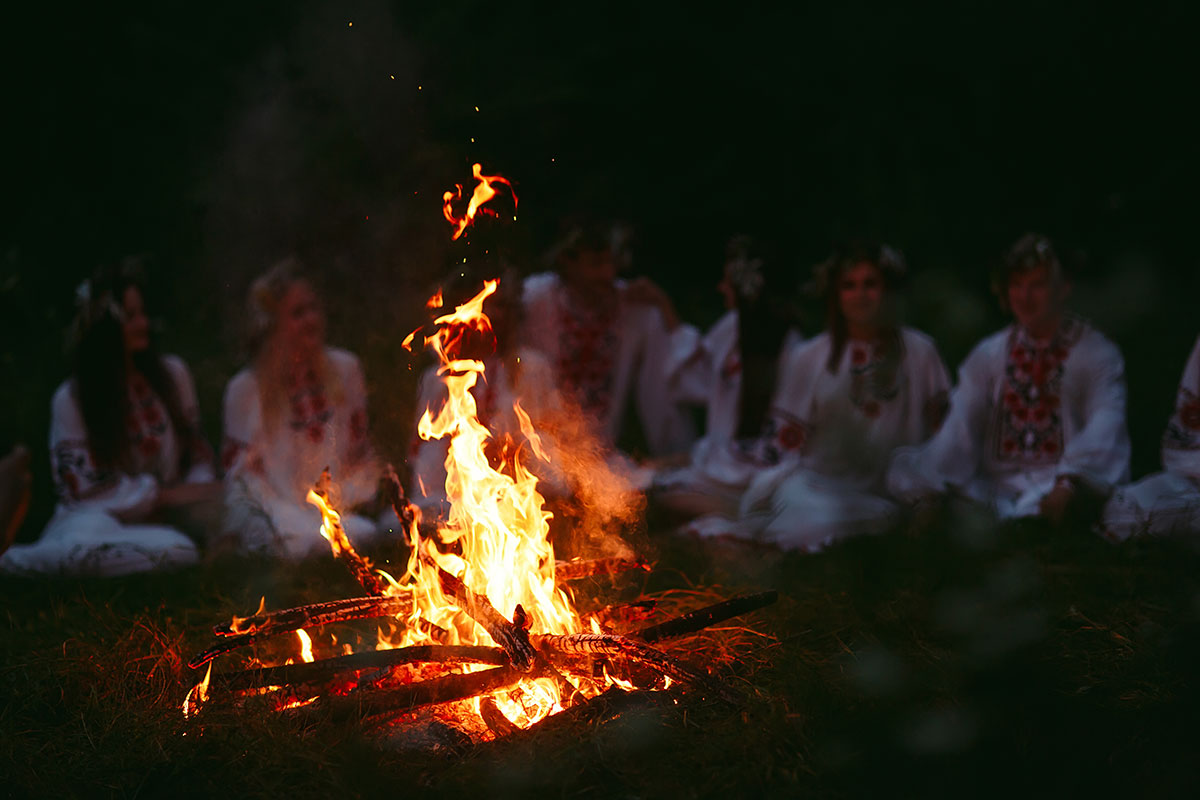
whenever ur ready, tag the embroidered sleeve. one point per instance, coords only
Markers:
(241, 399)
(358, 448)
(1099, 452)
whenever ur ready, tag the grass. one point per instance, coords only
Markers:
(974, 660)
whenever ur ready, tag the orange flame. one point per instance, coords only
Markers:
(484, 192)
(239, 624)
(496, 519)
(306, 653)
(197, 696)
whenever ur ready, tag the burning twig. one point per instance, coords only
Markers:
(316, 614)
(703, 617)
(293, 674)
(249, 630)
(604, 644)
(575, 570)
(331, 529)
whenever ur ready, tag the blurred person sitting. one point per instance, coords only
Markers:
(845, 400)
(126, 447)
(1037, 421)
(300, 406)
(734, 374)
(610, 341)
(1166, 503)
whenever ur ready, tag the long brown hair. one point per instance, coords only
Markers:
(828, 275)
(765, 307)
(99, 368)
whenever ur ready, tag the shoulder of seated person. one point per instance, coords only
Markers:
(64, 398)
(918, 341)
(343, 360)
(176, 366)
(242, 382)
(540, 284)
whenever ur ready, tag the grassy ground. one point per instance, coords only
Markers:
(974, 660)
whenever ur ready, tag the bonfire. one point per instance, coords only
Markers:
(482, 625)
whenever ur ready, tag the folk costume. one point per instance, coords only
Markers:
(270, 466)
(606, 358)
(1166, 503)
(101, 525)
(830, 437)
(1026, 414)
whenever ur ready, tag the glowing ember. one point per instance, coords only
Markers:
(483, 193)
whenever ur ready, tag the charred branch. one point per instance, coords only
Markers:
(603, 644)
(359, 567)
(576, 570)
(426, 693)
(512, 636)
(318, 671)
(703, 617)
(264, 626)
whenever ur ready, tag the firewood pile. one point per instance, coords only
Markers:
(386, 685)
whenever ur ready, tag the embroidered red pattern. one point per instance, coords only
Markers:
(1029, 425)
(586, 356)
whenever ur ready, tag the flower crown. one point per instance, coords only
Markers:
(745, 274)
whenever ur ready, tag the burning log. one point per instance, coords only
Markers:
(575, 570)
(331, 529)
(314, 615)
(703, 617)
(512, 636)
(494, 718)
(604, 644)
(316, 671)
(426, 693)
(264, 626)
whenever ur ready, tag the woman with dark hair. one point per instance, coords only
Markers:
(1166, 503)
(734, 374)
(299, 407)
(125, 446)
(1037, 421)
(846, 399)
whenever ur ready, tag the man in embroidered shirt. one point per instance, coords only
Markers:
(1037, 422)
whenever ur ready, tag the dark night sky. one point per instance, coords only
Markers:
(218, 136)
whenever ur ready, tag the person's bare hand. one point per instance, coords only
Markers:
(186, 494)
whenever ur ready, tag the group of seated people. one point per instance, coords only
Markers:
(806, 440)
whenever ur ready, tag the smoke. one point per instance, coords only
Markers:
(597, 497)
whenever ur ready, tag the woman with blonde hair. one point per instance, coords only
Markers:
(300, 406)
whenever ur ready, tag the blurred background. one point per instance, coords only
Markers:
(214, 139)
